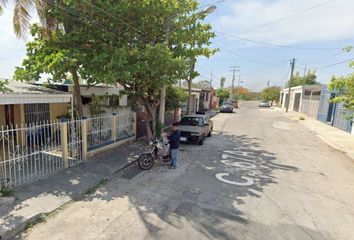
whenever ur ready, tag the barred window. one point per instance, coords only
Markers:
(37, 112)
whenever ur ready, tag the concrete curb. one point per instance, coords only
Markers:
(37, 218)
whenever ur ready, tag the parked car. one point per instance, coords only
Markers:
(195, 128)
(264, 103)
(226, 107)
(234, 103)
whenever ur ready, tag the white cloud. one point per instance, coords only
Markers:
(330, 22)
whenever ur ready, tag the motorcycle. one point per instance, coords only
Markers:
(159, 151)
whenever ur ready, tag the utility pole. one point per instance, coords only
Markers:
(268, 84)
(234, 69)
(239, 81)
(305, 70)
(290, 83)
(211, 79)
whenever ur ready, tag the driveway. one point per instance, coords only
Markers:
(260, 176)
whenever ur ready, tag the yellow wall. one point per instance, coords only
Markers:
(2, 115)
(19, 114)
(58, 109)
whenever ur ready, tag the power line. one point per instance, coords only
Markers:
(334, 64)
(276, 45)
(289, 16)
(210, 4)
(247, 58)
(113, 16)
(325, 58)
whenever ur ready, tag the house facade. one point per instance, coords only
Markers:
(28, 103)
(114, 103)
(299, 96)
(332, 113)
(315, 101)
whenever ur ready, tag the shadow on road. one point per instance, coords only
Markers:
(200, 201)
(191, 203)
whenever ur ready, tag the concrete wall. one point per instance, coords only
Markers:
(58, 109)
(310, 107)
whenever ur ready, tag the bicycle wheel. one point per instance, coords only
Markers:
(146, 161)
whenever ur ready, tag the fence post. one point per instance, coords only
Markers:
(64, 143)
(84, 138)
(114, 127)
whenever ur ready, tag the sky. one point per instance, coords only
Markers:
(259, 36)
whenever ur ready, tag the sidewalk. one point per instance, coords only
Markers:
(334, 137)
(42, 197)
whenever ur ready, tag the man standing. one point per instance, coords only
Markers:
(174, 144)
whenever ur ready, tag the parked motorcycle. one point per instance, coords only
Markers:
(159, 151)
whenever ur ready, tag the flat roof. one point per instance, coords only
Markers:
(24, 93)
(24, 88)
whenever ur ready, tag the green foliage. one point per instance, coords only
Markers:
(94, 188)
(99, 103)
(309, 79)
(41, 218)
(222, 95)
(344, 86)
(270, 93)
(241, 93)
(158, 129)
(156, 48)
(7, 192)
(3, 88)
(175, 97)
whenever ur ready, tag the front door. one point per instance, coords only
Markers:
(9, 115)
(297, 102)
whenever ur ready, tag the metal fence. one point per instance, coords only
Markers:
(99, 131)
(32, 151)
(124, 126)
(29, 152)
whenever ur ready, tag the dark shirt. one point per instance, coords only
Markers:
(174, 139)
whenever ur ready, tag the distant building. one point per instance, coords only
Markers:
(88, 92)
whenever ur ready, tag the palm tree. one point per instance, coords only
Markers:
(23, 10)
(22, 21)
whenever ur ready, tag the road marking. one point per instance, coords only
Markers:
(238, 164)
(281, 125)
(220, 177)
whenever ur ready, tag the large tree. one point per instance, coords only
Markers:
(309, 79)
(241, 93)
(344, 86)
(270, 93)
(141, 45)
(23, 11)
(54, 19)
(156, 49)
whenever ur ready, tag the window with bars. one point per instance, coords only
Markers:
(37, 112)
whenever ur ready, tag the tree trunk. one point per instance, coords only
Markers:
(77, 92)
(151, 121)
(189, 81)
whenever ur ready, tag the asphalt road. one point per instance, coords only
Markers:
(260, 176)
